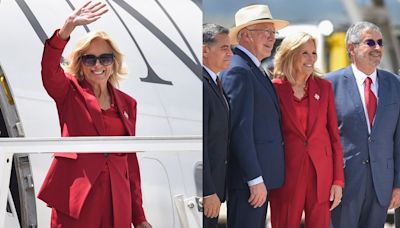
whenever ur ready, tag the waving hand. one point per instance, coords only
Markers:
(84, 15)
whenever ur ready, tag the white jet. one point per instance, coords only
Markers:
(161, 41)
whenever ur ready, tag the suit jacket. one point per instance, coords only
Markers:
(256, 142)
(215, 138)
(71, 176)
(321, 142)
(381, 147)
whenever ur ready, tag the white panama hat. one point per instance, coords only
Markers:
(251, 15)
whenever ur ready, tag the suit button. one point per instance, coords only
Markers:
(365, 162)
(283, 143)
(305, 143)
(226, 162)
(369, 139)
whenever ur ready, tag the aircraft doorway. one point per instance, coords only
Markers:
(21, 207)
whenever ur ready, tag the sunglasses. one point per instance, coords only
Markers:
(373, 43)
(104, 59)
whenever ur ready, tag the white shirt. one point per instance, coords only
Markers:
(212, 74)
(360, 79)
(253, 58)
(248, 53)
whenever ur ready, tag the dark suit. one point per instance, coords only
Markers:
(372, 161)
(215, 142)
(256, 143)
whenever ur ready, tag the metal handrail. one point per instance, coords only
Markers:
(11, 146)
(101, 144)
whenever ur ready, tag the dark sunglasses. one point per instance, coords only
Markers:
(372, 43)
(104, 59)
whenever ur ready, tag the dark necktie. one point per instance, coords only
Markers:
(370, 100)
(221, 91)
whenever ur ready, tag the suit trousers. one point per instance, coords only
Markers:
(287, 213)
(97, 211)
(241, 213)
(210, 222)
(364, 211)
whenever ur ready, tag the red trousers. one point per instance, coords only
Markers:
(97, 211)
(287, 213)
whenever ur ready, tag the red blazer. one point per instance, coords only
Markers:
(71, 176)
(321, 143)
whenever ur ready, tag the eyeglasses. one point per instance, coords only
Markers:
(104, 59)
(373, 43)
(269, 31)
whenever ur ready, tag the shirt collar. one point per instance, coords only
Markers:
(248, 53)
(360, 76)
(211, 73)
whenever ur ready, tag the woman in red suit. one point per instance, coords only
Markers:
(313, 153)
(91, 190)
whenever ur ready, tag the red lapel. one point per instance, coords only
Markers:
(314, 98)
(287, 103)
(123, 110)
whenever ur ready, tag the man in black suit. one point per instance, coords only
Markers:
(216, 57)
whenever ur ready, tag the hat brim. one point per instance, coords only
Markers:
(278, 24)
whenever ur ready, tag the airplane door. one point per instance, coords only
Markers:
(156, 191)
(22, 198)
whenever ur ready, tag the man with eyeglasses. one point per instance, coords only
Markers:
(368, 110)
(257, 161)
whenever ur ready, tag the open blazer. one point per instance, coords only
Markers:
(321, 141)
(71, 176)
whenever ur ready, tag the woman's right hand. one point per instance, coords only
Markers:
(335, 196)
(84, 15)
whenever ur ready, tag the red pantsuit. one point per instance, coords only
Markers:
(89, 190)
(313, 156)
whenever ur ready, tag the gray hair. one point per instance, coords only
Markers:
(210, 31)
(353, 34)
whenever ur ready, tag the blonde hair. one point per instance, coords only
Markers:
(285, 56)
(74, 60)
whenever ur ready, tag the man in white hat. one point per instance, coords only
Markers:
(257, 159)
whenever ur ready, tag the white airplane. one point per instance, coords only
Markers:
(161, 42)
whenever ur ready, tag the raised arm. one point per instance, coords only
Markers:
(54, 79)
